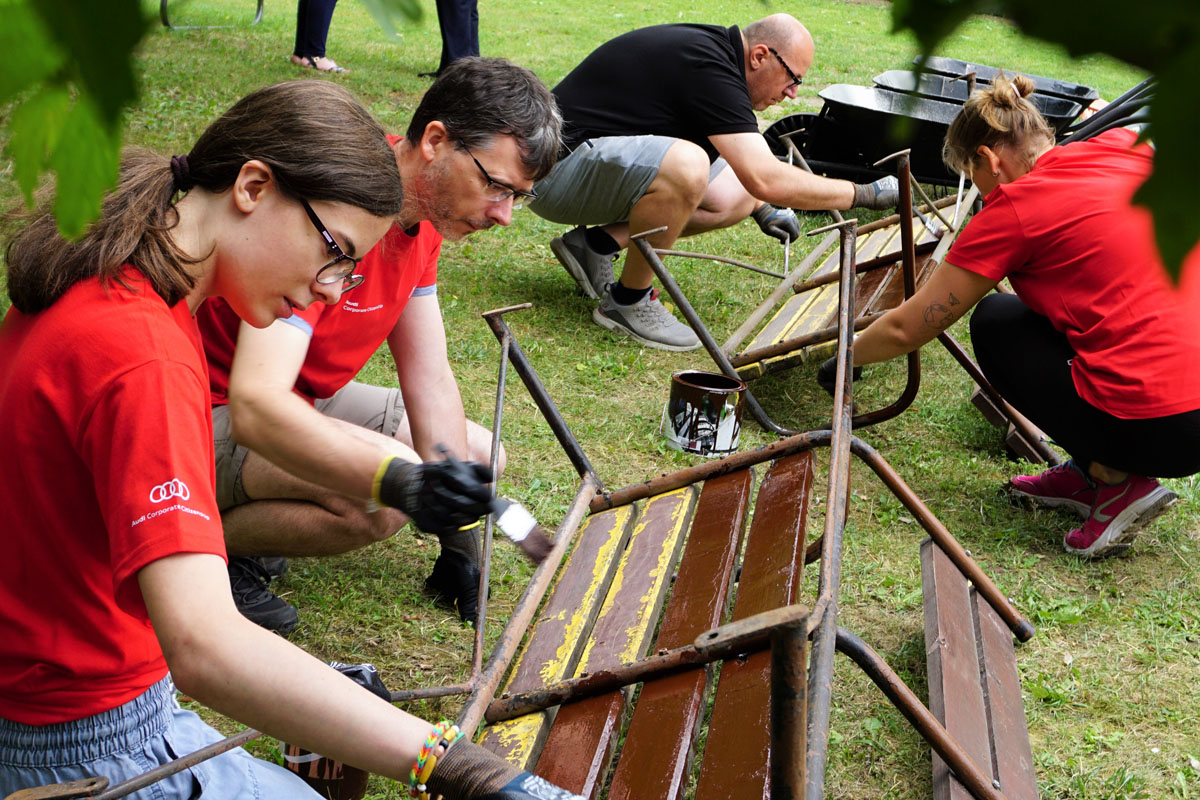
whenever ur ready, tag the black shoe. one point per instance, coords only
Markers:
(249, 580)
(455, 582)
(275, 566)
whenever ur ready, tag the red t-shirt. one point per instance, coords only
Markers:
(108, 466)
(343, 337)
(1078, 252)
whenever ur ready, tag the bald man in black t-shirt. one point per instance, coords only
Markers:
(652, 118)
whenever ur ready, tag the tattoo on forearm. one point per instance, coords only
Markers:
(939, 316)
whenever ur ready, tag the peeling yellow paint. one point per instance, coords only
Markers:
(635, 635)
(516, 737)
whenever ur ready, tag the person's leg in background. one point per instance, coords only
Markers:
(313, 18)
(458, 21)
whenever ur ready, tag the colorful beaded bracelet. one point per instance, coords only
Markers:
(444, 734)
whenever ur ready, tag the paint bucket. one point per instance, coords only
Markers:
(704, 413)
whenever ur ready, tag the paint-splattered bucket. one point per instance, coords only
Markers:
(704, 413)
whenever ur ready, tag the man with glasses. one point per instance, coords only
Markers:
(652, 118)
(300, 443)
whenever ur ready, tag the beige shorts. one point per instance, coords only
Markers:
(375, 408)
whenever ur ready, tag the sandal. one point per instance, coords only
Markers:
(312, 62)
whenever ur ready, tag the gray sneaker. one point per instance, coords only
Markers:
(591, 270)
(647, 321)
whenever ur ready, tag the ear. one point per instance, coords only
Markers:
(756, 55)
(990, 156)
(435, 138)
(253, 181)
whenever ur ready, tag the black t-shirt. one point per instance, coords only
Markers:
(685, 81)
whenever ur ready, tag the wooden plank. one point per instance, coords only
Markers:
(560, 634)
(575, 754)
(1013, 756)
(737, 750)
(662, 735)
(955, 693)
(991, 412)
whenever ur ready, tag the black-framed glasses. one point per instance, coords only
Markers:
(796, 79)
(497, 191)
(341, 268)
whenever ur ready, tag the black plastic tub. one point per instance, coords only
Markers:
(1058, 111)
(1084, 95)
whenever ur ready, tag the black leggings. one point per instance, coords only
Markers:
(1029, 363)
(312, 27)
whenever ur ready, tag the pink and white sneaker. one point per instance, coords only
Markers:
(1117, 515)
(1064, 486)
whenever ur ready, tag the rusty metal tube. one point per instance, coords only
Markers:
(711, 469)
(723, 260)
(1021, 627)
(820, 674)
(870, 265)
(430, 692)
(932, 731)
(791, 345)
(538, 392)
(1018, 420)
(693, 319)
(489, 527)
(789, 671)
(510, 639)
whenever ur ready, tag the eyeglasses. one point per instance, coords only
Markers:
(796, 79)
(495, 191)
(341, 268)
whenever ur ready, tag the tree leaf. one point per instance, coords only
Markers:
(87, 161)
(390, 12)
(31, 56)
(100, 37)
(35, 128)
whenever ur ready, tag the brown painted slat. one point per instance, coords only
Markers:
(560, 635)
(584, 732)
(661, 738)
(1010, 735)
(955, 694)
(737, 750)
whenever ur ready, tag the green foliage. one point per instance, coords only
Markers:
(1161, 36)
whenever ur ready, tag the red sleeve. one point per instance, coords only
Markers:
(993, 244)
(148, 444)
(429, 277)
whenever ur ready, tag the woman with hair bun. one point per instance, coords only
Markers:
(1096, 346)
(114, 567)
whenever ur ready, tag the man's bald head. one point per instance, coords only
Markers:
(774, 46)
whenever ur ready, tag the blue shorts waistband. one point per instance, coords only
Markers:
(68, 743)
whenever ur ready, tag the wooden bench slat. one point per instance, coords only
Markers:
(621, 635)
(662, 734)
(952, 655)
(1010, 734)
(736, 752)
(560, 635)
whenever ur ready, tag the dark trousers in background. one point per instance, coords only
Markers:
(312, 27)
(1029, 363)
(459, 23)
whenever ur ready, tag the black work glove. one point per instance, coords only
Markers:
(455, 577)
(439, 496)
(878, 196)
(827, 374)
(469, 772)
(778, 222)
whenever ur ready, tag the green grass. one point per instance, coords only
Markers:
(1110, 679)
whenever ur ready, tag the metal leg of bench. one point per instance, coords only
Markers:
(537, 390)
(1018, 420)
(824, 616)
(978, 783)
(706, 338)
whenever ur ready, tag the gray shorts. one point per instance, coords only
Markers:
(600, 181)
(375, 408)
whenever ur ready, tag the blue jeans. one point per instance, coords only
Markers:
(133, 738)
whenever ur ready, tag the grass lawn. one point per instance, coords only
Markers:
(1110, 685)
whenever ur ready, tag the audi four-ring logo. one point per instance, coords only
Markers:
(173, 488)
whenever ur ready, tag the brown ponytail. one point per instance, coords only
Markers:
(319, 141)
(997, 116)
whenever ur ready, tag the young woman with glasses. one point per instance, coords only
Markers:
(114, 571)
